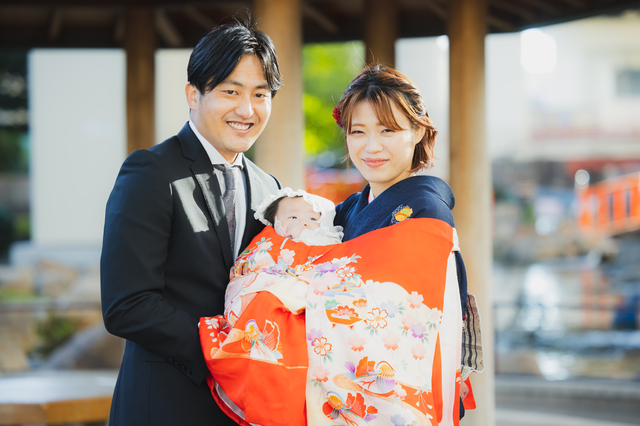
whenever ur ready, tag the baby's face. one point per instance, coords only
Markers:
(296, 215)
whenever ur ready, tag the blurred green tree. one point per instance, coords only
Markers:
(13, 111)
(327, 70)
(14, 145)
(14, 155)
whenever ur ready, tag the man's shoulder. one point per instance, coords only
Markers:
(256, 172)
(182, 144)
(167, 148)
(162, 153)
(164, 159)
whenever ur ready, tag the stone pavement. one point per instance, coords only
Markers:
(534, 401)
(528, 418)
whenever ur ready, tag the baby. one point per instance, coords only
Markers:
(263, 320)
(297, 216)
(300, 216)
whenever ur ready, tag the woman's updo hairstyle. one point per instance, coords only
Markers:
(380, 86)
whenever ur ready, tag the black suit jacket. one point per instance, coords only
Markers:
(165, 262)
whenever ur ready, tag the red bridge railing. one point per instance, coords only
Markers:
(611, 206)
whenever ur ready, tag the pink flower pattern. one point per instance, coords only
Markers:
(345, 311)
(418, 351)
(321, 374)
(360, 303)
(264, 245)
(415, 299)
(408, 320)
(319, 287)
(418, 329)
(376, 318)
(399, 391)
(357, 342)
(321, 346)
(435, 315)
(390, 340)
(346, 272)
(287, 256)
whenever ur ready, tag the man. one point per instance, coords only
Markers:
(172, 231)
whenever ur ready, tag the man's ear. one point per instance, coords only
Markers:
(193, 95)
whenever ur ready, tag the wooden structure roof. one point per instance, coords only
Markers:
(180, 23)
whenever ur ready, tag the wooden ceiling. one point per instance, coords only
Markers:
(180, 23)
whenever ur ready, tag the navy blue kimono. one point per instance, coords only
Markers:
(428, 196)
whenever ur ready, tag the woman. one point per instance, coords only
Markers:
(389, 138)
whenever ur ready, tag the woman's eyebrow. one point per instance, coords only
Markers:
(364, 125)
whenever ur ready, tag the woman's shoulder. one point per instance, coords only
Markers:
(423, 196)
(426, 187)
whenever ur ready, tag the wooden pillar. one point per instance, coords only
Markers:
(279, 150)
(471, 180)
(140, 46)
(381, 31)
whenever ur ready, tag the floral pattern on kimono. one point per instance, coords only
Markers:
(367, 332)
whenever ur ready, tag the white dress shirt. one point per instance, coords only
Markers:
(241, 190)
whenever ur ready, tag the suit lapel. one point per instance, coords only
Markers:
(255, 195)
(206, 178)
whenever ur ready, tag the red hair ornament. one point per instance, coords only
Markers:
(336, 115)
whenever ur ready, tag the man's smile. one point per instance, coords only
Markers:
(239, 126)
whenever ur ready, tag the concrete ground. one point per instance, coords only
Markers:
(524, 418)
(533, 401)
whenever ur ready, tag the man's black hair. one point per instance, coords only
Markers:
(217, 54)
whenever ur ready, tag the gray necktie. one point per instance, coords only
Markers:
(229, 199)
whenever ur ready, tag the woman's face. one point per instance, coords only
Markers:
(382, 155)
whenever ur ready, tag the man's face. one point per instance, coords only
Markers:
(234, 113)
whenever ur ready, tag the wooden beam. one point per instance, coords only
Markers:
(55, 24)
(119, 28)
(580, 4)
(543, 5)
(320, 18)
(166, 29)
(198, 17)
(437, 8)
(140, 45)
(500, 24)
(513, 8)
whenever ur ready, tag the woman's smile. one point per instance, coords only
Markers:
(374, 162)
